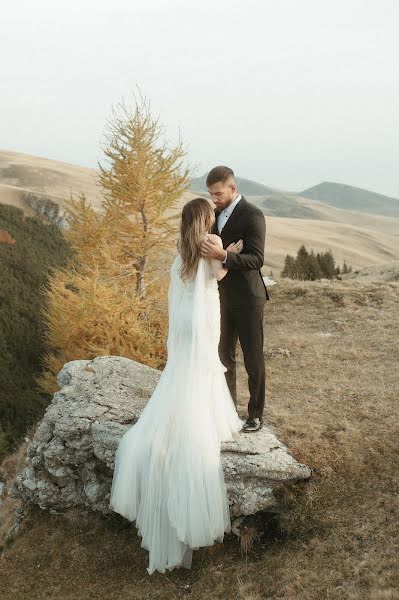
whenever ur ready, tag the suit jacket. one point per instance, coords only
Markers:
(243, 285)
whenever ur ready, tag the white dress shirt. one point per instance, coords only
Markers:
(225, 214)
(224, 217)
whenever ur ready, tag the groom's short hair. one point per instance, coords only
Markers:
(220, 173)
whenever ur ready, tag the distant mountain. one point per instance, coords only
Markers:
(285, 205)
(41, 186)
(272, 202)
(352, 198)
(245, 186)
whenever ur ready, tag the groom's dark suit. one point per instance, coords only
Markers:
(242, 299)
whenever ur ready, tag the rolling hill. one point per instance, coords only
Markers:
(374, 210)
(359, 246)
(291, 206)
(353, 198)
(388, 272)
(41, 186)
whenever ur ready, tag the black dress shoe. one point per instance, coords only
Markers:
(252, 425)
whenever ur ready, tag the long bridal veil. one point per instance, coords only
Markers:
(168, 475)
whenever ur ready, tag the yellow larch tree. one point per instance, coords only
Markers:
(111, 297)
(143, 180)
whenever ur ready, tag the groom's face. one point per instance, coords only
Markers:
(223, 193)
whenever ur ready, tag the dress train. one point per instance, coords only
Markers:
(168, 475)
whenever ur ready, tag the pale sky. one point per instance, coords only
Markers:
(287, 92)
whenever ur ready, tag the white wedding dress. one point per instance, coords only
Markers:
(168, 475)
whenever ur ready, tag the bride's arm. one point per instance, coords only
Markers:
(218, 269)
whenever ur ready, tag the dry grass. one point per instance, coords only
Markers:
(359, 245)
(9, 467)
(21, 173)
(360, 239)
(333, 400)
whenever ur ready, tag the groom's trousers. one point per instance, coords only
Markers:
(244, 324)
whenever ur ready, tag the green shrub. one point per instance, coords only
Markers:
(24, 268)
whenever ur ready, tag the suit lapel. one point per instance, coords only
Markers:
(234, 216)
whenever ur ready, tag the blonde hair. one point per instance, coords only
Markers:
(196, 220)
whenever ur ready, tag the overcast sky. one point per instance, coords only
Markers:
(287, 92)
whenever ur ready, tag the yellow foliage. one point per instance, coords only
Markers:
(142, 184)
(87, 317)
(111, 298)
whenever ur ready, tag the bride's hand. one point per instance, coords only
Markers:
(236, 247)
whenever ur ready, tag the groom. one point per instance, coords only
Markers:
(243, 293)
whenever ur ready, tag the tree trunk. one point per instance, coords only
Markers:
(140, 283)
(142, 262)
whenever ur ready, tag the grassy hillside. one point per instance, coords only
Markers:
(357, 237)
(24, 266)
(23, 174)
(296, 207)
(353, 198)
(360, 238)
(284, 205)
(388, 272)
(331, 354)
(360, 247)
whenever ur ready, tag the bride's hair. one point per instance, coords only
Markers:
(196, 220)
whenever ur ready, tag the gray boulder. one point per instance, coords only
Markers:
(70, 458)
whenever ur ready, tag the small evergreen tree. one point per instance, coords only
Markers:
(289, 269)
(301, 263)
(327, 265)
(311, 266)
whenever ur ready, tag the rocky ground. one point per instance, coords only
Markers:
(70, 459)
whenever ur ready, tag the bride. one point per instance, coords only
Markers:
(168, 475)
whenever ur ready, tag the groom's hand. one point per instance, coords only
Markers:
(235, 247)
(209, 249)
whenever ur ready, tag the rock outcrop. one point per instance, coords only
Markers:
(70, 458)
(47, 207)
